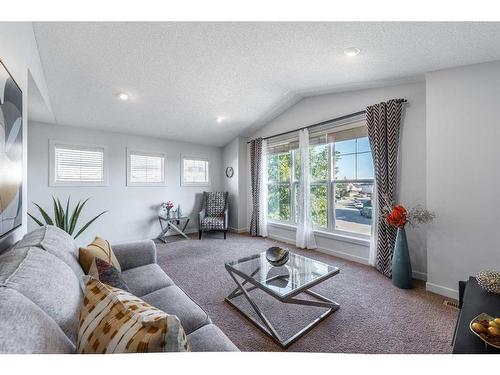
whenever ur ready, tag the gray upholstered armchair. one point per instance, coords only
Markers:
(214, 212)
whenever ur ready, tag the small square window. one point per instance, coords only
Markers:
(77, 165)
(195, 171)
(145, 168)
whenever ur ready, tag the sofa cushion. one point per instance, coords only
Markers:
(174, 301)
(25, 328)
(99, 248)
(146, 279)
(115, 321)
(45, 280)
(107, 274)
(210, 338)
(55, 241)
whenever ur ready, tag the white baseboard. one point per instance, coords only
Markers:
(343, 255)
(419, 275)
(442, 290)
(237, 230)
(282, 239)
(416, 274)
(336, 253)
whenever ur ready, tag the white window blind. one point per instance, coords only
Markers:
(146, 168)
(78, 164)
(195, 171)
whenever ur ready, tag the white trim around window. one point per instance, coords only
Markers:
(204, 164)
(350, 237)
(150, 169)
(77, 164)
(286, 184)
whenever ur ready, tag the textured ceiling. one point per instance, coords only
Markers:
(180, 76)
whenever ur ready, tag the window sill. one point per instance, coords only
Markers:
(146, 184)
(78, 184)
(329, 235)
(186, 184)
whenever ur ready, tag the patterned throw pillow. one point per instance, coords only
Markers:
(107, 274)
(115, 321)
(99, 248)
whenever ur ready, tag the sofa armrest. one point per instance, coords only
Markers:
(135, 254)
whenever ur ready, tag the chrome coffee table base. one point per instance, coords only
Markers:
(265, 325)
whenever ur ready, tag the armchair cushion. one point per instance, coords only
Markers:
(213, 223)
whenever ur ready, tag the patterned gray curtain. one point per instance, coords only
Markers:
(383, 122)
(255, 165)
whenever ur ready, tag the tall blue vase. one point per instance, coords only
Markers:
(401, 266)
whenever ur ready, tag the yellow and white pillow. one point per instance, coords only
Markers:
(99, 248)
(115, 321)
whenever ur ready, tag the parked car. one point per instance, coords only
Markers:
(366, 212)
(358, 204)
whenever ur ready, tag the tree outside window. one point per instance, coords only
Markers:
(341, 175)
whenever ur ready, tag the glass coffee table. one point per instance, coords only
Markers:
(284, 283)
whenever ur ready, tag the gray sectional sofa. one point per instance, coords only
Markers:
(40, 294)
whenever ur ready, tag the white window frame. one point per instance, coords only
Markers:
(330, 229)
(134, 151)
(189, 157)
(52, 164)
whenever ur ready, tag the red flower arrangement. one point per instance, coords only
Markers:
(397, 216)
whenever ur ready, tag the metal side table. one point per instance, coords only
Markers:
(173, 223)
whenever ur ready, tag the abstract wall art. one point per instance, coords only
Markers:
(11, 152)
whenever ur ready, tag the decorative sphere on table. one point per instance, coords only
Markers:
(277, 256)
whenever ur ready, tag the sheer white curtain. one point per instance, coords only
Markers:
(305, 235)
(263, 191)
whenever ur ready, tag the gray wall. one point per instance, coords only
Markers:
(234, 155)
(412, 174)
(132, 210)
(463, 174)
(231, 185)
(19, 52)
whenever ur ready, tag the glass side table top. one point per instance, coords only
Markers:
(296, 275)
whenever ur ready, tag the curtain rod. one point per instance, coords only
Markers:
(319, 123)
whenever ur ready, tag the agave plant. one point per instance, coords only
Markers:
(62, 218)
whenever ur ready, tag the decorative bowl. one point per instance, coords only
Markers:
(489, 281)
(488, 339)
(277, 256)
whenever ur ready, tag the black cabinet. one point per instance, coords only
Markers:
(474, 300)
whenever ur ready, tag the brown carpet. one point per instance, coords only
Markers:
(374, 316)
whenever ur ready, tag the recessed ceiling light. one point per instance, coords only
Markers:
(352, 51)
(219, 119)
(123, 96)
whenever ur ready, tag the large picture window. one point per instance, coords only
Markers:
(341, 168)
(282, 181)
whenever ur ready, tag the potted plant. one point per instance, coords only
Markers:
(63, 218)
(398, 216)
